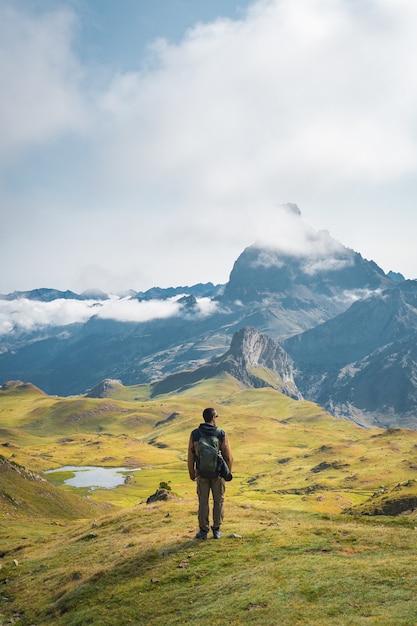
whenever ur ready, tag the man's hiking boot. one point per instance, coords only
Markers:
(216, 532)
(202, 534)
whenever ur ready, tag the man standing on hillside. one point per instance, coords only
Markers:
(204, 444)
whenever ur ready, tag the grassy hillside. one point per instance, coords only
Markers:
(30, 507)
(142, 566)
(24, 494)
(291, 552)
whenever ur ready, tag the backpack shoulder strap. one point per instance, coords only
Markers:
(220, 434)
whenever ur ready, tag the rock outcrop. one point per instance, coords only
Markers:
(254, 359)
(104, 389)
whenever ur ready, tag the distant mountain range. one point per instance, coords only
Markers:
(329, 326)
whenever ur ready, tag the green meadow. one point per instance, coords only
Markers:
(320, 525)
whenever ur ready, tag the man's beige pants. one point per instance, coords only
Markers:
(217, 488)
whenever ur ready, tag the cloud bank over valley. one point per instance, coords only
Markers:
(27, 315)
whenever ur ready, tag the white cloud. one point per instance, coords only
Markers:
(318, 250)
(296, 99)
(174, 168)
(326, 265)
(295, 88)
(39, 78)
(296, 238)
(28, 315)
(206, 307)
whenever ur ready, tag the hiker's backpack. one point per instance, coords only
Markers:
(208, 454)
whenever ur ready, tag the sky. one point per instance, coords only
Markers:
(148, 142)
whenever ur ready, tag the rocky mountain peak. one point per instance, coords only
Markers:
(329, 269)
(254, 359)
(252, 348)
(258, 361)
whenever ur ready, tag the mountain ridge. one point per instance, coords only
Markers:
(362, 364)
(335, 314)
(253, 359)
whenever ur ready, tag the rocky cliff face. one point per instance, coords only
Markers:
(369, 324)
(363, 363)
(251, 353)
(254, 359)
(285, 295)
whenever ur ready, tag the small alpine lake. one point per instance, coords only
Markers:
(93, 477)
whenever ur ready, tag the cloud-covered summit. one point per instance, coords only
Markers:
(295, 253)
(295, 237)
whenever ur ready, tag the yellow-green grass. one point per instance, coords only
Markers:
(24, 494)
(287, 451)
(287, 556)
(142, 566)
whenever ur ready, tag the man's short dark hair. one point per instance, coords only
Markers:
(208, 414)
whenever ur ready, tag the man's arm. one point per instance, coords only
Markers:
(227, 451)
(191, 458)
